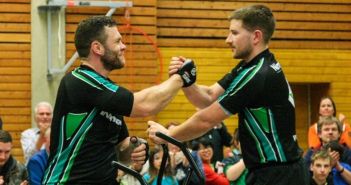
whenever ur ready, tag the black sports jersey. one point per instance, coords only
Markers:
(87, 124)
(259, 92)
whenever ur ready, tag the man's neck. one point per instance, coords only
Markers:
(255, 51)
(96, 66)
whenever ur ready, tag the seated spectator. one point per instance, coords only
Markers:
(176, 155)
(182, 166)
(205, 151)
(234, 167)
(327, 108)
(321, 165)
(341, 171)
(155, 163)
(37, 163)
(32, 139)
(329, 129)
(12, 172)
(220, 138)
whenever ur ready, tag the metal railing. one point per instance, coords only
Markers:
(192, 164)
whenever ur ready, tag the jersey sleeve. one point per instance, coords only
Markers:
(242, 90)
(91, 90)
(225, 81)
(120, 101)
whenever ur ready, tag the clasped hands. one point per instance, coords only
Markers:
(187, 70)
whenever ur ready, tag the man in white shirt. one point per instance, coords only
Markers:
(32, 139)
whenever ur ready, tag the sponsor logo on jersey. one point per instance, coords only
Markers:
(111, 117)
(276, 67)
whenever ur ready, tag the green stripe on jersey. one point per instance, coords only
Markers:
(72, 123)
(70, 152)
(99, 79)
(83, 78)
(260, 135)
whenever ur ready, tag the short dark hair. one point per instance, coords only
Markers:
(195, 144)
(5, 136)
(256, 17)
(89, 30)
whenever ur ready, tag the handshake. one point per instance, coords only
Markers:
(187, 72)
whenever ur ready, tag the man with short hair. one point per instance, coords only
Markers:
(88, 115)
(32, 139)
(321, 166)
(12, 172)
(329, 129)
(258, 91)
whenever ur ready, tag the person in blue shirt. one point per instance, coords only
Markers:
(37, 163)
(341, 171)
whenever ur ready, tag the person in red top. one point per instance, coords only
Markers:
(327, 108)
(205, 151)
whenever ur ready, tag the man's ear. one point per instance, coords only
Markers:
(257, 37)
(97, 48)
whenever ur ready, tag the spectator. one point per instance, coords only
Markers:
(179, 163)
(329, 129)
(37, 163)
(327, 108)
(32, 139)
(176, 155)
(321, 165)
(219, 137)
(12, 172)
(234, 167)
(341, 171)
(205, 151)
(155, 164)
(128, 179)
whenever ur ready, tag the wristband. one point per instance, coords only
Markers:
(342, 170)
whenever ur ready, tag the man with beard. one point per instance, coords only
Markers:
(89, 109)
(258, 91)
(329, 129)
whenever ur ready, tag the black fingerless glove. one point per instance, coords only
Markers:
(188, 73)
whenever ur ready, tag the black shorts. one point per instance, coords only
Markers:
(286, 174)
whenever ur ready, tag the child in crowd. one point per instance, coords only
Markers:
(321, 166)
(155, 163)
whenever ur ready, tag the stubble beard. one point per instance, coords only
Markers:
(111, 60)
(244, 53)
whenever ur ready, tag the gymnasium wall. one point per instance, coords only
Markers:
(312, 42)
(15, 68)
